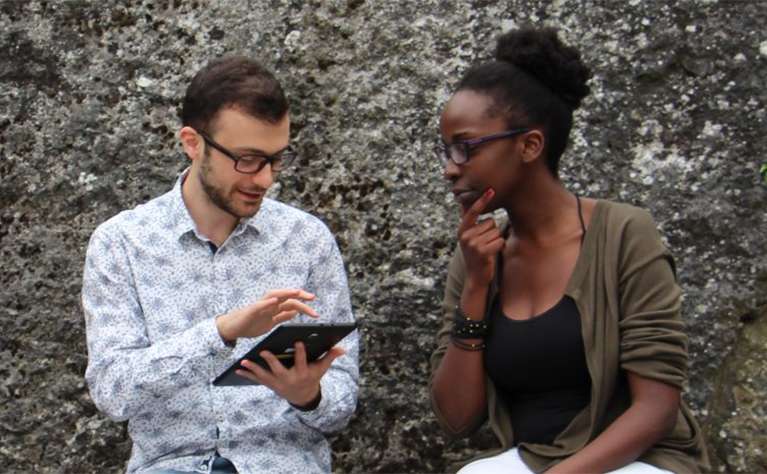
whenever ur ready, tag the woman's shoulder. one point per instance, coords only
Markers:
(616, 215)
(630, 233)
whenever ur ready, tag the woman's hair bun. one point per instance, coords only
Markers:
(540, 53)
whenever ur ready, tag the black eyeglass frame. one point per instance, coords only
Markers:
(284, 158)
(444, 154)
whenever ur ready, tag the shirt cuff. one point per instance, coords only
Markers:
(211, 338)
(319, 410)
(312, 405)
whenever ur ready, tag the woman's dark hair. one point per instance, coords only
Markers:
(233, 81)
(535, 80)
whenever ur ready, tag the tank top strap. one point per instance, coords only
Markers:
(580, 216)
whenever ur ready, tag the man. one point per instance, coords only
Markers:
(176, 290)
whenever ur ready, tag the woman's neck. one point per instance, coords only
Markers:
(543, 212)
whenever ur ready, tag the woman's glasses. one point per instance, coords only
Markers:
(460, 151)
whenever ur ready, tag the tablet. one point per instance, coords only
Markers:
(317, 338)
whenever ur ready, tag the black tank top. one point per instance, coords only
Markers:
(539, 368)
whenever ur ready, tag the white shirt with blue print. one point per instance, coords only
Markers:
(152, 288)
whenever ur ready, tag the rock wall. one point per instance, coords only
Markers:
(88, 99)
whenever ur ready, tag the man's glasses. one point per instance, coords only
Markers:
(459, 152)
(252, 163)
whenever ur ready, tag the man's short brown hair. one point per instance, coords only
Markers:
(233, 81)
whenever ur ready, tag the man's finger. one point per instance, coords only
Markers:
(256, 373)
(274, 364)
(326, 360)
(295, 305)
(472, 213)
(248, 375)
(286, 293)
(264, 304)
(283, 316)
(300, 357)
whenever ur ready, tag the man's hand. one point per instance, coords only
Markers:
(276, 307)
(480, 242)
(300, 384)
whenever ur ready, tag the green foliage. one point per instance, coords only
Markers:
(763, 172)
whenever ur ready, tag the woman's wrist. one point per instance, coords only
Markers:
(475, 284)
(473, 298)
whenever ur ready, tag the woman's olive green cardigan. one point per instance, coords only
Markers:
(625, 288)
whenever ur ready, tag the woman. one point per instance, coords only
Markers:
(561, 326)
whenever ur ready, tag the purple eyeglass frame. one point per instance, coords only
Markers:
(464, 147)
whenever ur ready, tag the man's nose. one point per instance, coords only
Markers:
(264, 178)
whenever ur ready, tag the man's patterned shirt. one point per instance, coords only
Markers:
(152, 288)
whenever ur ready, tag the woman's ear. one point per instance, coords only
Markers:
(191, 142)
(532, 145)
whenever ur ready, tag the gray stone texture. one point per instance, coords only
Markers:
(88, 100)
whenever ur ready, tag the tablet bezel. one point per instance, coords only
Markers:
(281, 341)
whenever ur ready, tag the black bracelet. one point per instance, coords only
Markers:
(467, 346)
(466, 328)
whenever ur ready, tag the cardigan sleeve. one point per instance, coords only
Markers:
(453, 288)
(653, 343)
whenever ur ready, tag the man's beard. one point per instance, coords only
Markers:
(216, 194)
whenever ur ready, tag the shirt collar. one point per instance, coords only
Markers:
(183, 222)
(179, 214)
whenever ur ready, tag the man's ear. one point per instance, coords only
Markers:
(532, 145)
(191, 142)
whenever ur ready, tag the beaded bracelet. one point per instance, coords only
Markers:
(466, 328)
(467, 346)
